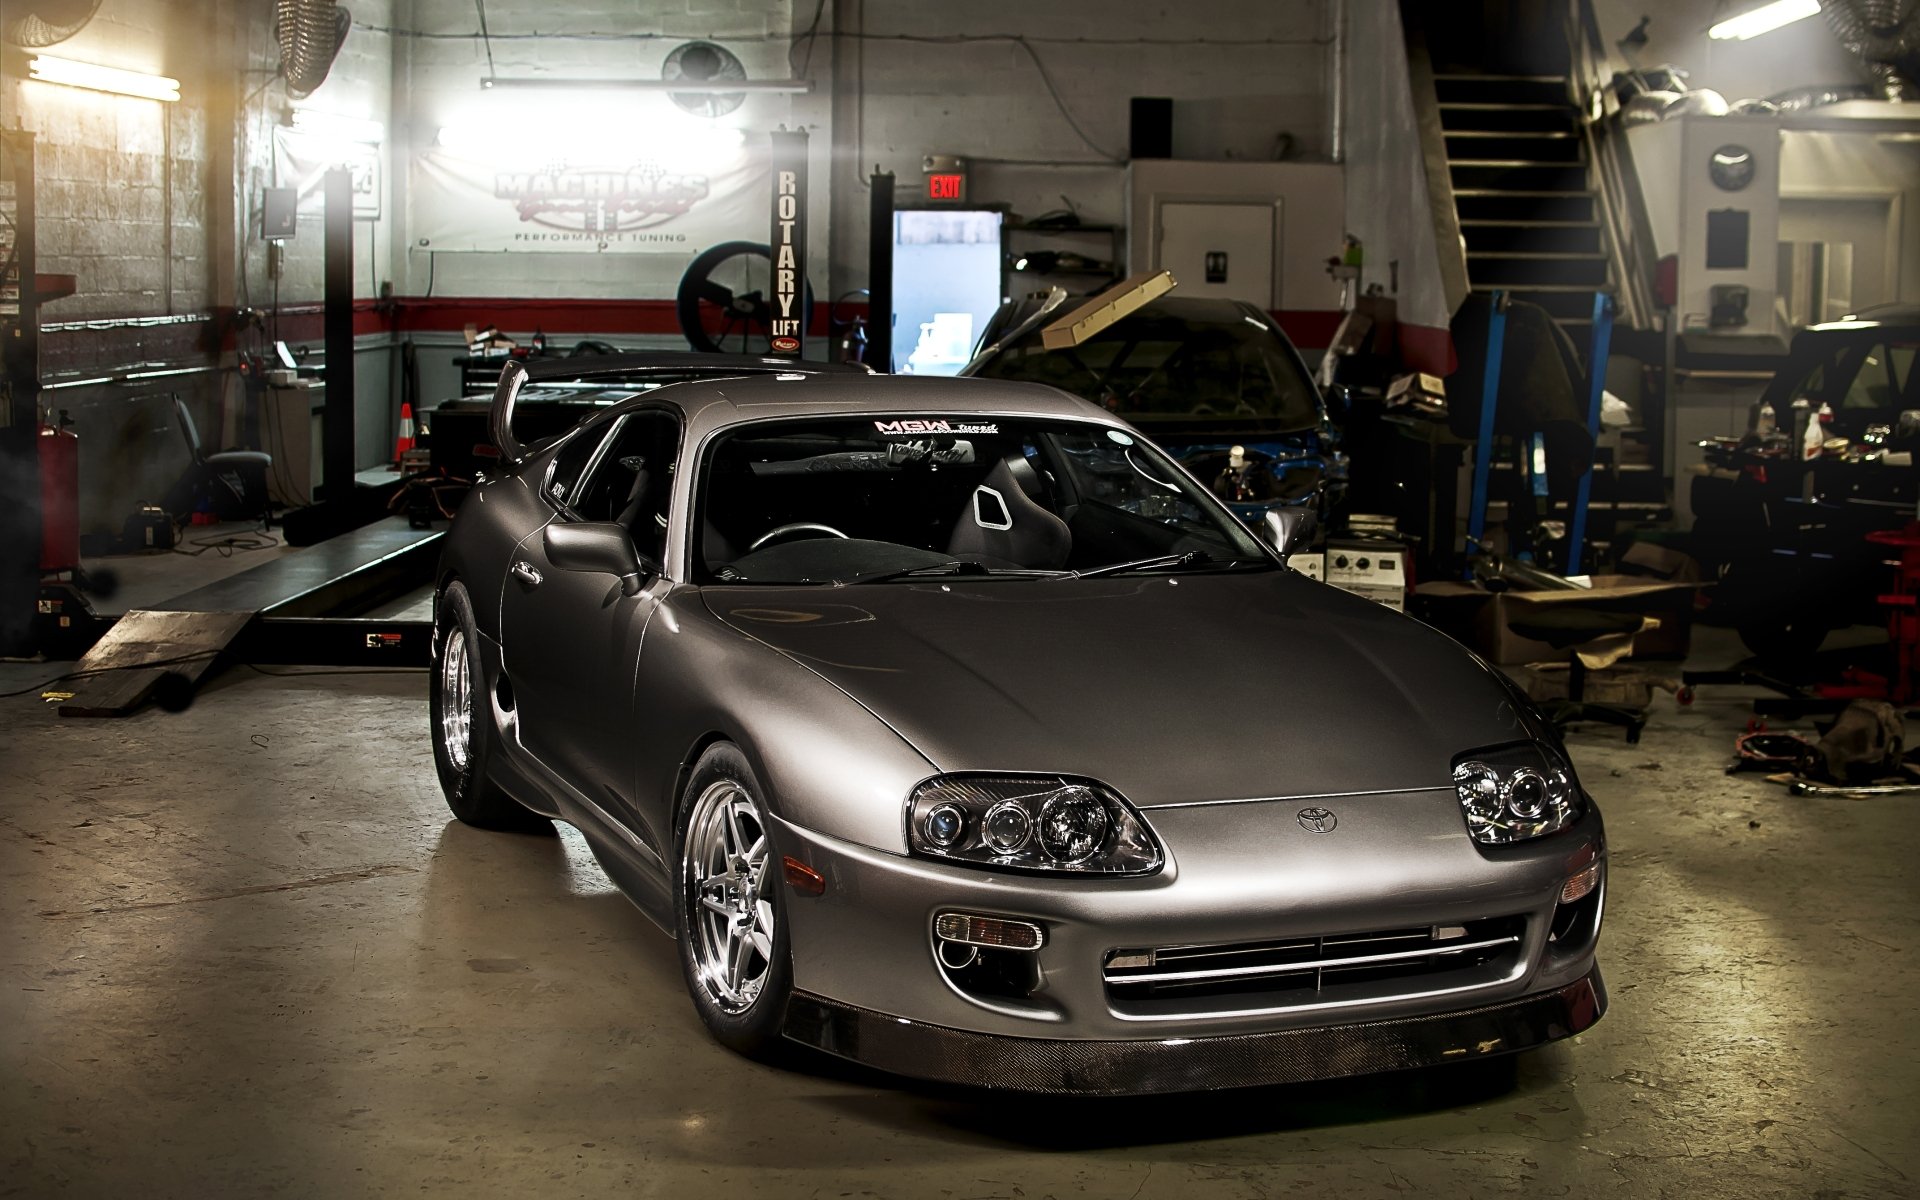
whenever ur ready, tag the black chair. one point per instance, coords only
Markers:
(234, 482)
(1567, 629)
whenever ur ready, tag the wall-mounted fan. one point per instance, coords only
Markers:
(32, 24)
(310, 34)
(706, 63)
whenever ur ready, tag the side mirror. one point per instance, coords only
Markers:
(602, 547)
(1287, 529)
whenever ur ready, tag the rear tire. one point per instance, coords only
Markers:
(730, 907)
(462, 720)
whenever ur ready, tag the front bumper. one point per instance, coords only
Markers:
(1145, 1066)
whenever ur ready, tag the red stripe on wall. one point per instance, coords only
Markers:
(1429, 349)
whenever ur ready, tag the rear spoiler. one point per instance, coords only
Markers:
(662, 366)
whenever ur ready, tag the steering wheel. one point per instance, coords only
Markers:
(782, 531)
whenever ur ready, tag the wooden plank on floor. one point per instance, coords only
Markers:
(142, 648)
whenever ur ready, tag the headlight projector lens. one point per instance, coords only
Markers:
(1073, 825)
(945, 824)
(1527, 794)
(1007, 827)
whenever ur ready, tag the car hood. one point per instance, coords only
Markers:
(1171, 688)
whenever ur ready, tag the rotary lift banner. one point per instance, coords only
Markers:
(513, 201)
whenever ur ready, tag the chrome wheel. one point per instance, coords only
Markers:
(730, 897)
(456, 699)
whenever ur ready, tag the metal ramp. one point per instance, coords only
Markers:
(302, 607)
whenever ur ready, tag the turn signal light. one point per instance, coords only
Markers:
(803, 878)
(989, 931)
(1579, 885)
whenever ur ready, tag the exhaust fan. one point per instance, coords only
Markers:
(310, 34)
(34, 24)
(704, 63)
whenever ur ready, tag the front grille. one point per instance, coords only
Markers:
(1302, 971)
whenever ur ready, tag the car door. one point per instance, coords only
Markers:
(572, 639)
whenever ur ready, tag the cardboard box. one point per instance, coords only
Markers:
(1483, 619)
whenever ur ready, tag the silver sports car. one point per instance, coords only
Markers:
(950, 727)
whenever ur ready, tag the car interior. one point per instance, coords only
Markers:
(833, 501)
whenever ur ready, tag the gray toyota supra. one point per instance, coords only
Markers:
(951, 727)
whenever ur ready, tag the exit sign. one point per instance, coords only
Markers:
(946, 186)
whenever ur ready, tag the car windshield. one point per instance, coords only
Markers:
(1175, 362)
(884, 498)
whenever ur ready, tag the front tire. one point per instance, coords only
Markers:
(462, 719)
(730, 908)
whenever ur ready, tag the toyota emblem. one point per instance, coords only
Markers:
(1317, 820)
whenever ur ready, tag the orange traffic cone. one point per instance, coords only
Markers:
(404, 442)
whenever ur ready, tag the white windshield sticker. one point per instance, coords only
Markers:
(922, 427)
(1114, 435)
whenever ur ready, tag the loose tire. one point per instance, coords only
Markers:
(462, 722)
(730, 907)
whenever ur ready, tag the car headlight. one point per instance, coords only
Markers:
(1513, 793)
(1044, 823)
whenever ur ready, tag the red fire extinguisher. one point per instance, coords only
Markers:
(59, 495)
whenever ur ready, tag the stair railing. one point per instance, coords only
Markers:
(1633, 256)
(1449, 244)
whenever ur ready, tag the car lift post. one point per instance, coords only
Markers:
(879, 354)
(338, 425)
(1489, 400)
(19, 447)
(1596, 390)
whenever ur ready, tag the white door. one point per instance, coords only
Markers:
(1223, 250)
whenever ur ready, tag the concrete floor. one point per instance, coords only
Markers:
(243, 951)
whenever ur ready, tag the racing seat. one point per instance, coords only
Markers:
(1002, 522)
(644, 513)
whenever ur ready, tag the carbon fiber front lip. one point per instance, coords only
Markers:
(1145, 1066)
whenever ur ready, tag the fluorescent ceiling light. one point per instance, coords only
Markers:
(335, 127)
(1765, 19)
(50, 69)
(685, 87)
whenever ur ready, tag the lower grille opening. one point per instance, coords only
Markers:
(1304, 970)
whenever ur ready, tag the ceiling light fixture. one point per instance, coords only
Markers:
(1765, 19)
(49, 69)
(685, 86)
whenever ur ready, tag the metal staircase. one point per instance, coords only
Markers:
(1525, 199)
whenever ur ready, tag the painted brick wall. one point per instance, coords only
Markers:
(110, 209)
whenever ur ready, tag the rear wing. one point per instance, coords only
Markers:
(659, 367)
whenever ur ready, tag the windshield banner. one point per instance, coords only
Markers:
(640, 205)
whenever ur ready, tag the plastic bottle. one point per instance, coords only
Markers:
(1765, 421)
(1815, 436)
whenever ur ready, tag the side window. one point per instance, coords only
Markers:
(632, 481)
(1872, 385)
(572, 462)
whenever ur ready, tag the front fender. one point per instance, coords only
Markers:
(825, 762)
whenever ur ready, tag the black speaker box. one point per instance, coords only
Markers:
(1150, 127)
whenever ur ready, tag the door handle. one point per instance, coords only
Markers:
(526, 573)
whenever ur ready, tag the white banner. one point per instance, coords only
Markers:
(510, 199)
(302, 161)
